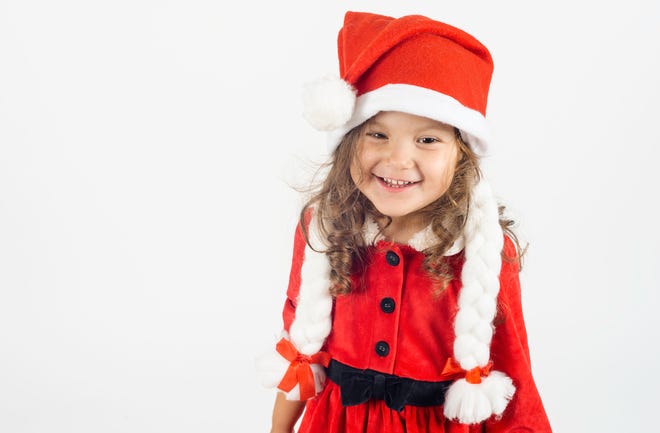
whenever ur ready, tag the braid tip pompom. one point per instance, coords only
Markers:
(272, 367)
(472, 403)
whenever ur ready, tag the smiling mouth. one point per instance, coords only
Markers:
(395, 183)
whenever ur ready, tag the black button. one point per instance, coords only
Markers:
(392, 258)
(382, 348)
(387, 305)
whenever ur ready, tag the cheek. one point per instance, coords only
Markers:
(445, 169)
(449, 176)
(361, 166)
(450, 169)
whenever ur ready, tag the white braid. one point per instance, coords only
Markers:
(480, 279)
(477, 306)
(313, 319)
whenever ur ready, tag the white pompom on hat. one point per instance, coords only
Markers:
(329, 103)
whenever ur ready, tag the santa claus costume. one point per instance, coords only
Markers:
(396, 355)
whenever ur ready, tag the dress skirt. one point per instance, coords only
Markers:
(325, 414)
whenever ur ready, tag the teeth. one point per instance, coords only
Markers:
(396, 183)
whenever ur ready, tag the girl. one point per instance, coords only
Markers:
(403, 310)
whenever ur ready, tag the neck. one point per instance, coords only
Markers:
(402, 228)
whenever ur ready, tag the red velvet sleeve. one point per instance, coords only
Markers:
(510, 354)
(293, 290)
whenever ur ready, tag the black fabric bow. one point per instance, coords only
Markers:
(357, 388)
(360, 386)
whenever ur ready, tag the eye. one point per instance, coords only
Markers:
(428, 140)
(377, 135)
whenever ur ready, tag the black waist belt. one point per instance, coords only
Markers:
(358, 386)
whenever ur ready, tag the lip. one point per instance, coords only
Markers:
(394, 189)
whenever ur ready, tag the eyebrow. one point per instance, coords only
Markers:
(436, 125)
(374, 122)
(431, 124)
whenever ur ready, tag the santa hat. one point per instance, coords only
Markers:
(427, 68)
(410, 64)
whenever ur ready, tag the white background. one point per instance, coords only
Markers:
(147, 154)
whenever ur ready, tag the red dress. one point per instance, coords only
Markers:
(397, 309)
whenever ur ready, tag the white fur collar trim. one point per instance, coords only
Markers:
(420, 241)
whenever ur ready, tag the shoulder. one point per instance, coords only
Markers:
(510, 255)
(509, 293)
(307, 215)
(509, 273)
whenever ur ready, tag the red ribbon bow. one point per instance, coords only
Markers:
(453, 371)
(300, 370)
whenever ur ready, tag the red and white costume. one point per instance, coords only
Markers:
(419, 334)
(472, 335)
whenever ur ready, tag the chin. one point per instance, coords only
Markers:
(394, 211)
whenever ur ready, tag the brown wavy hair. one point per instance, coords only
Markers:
(341, 210)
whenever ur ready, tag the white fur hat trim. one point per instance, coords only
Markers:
(420, 101)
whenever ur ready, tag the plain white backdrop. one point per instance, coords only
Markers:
(147, 153)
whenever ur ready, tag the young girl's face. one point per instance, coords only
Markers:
(404, 162)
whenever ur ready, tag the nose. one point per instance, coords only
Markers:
(400, 154)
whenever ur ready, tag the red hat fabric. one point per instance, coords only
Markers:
(411, 64)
